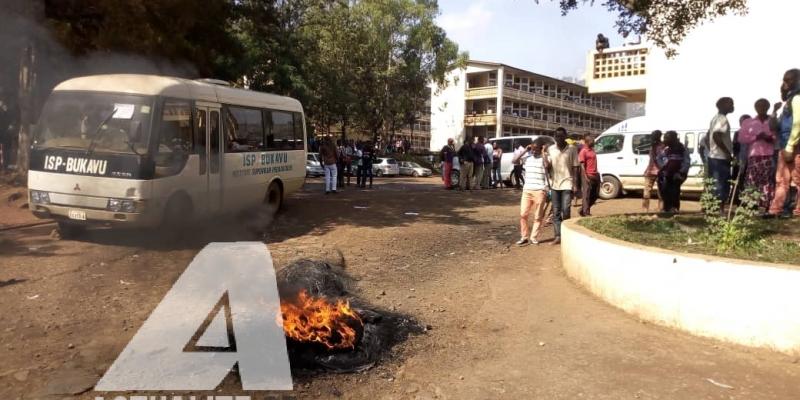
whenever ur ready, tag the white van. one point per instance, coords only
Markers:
(623, 152)
(508, 144)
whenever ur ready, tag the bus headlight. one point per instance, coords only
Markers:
(38, 196)
(121, 205)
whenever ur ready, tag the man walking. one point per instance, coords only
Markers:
(563, 159)
(446, 156)
(651, 172)
(478, 155)
(487, 165)
(534, 193)
(519, 180)
(789, 139)
(590, 182)
(465, 158)
(720, 151)
(327, 153)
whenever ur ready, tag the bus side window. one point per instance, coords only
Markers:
(213, 123)
(283, 129)
(298, 131)
(175, 135)
(504, 144)
(200, 138)
(524, 142)
(244, 130)
(690, 141)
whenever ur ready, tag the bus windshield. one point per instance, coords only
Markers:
(102, 122)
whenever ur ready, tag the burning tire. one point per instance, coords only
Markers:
(329, 329)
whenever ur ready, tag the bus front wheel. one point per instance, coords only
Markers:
(68, 230)
(177, 213)
(610, 188)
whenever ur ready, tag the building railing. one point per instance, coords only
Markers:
(542, 100)
(620, 62)
(526, 122)
(480, 119)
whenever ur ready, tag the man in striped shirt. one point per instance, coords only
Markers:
(534, 192)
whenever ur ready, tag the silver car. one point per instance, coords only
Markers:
(313, 166)
(413, 169)
(385, 166)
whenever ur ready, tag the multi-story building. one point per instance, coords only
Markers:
(494, 100)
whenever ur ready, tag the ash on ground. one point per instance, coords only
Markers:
(382, 329)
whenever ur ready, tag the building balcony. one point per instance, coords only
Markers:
(542, 100)
(620, 70)
(527, 122)
(480, 120)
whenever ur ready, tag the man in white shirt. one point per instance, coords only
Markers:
(565, 165)
(534, 192)
(519, 180)
(720, 149)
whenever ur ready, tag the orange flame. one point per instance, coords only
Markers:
(309, 319)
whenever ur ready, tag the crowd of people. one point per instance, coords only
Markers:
(549, 174)
(340, 159)
(764, 154)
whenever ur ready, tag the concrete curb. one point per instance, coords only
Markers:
(749, 303)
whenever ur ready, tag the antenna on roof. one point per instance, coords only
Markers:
(214, 81)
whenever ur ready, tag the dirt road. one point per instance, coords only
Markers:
(506, 322)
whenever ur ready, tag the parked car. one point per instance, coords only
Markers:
(413, 169)
(313, 165)
(385, 166)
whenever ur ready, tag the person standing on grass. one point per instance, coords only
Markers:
(720, 152)
(590, 186)
(788, 169)
(327, 153)
(446, 156)
(487, 164)
(465, 158)
(534, 193)
(497, 156)
(755, 134)
(477, 153)
(563, 159)
(651, 172)
(673, 163)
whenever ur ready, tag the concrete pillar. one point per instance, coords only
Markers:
(501, 78)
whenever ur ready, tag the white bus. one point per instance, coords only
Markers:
(144, 150)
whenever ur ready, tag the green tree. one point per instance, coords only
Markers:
(666, 22)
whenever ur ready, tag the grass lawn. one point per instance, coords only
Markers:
(780, 244)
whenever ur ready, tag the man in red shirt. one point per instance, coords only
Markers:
(591, 179)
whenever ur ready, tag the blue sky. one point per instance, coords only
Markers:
(527, 35)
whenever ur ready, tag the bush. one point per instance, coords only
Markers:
(736, 230)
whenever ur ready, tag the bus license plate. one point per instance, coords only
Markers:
(77, 214)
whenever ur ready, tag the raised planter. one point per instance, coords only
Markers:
(745, 302)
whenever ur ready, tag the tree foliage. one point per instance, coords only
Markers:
(666, 22)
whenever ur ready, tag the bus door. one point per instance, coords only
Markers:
(208, 137)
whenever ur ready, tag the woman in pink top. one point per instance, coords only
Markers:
(651, 173)
(756, 133)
